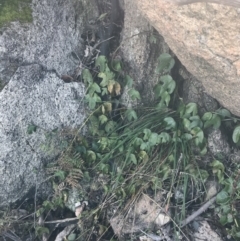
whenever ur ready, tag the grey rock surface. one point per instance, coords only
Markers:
(52, 39)
(218, 144)
(205, 232)
(33, 56)
(193, 91)
(39, 98)
(140, 51)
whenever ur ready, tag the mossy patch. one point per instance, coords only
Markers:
(15, 10)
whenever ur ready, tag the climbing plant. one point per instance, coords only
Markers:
(140, 147)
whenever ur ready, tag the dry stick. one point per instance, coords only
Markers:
(198, 212)
(62, 222)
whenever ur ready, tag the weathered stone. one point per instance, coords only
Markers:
(140, 51)
(33, 56)
(205, 38)
(205, 232)
(52, 39)
(218, 144)
(39, 98)
(193, 91)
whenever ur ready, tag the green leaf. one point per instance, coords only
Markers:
(236, 134)
(94, 87)
(211, 120)
(164, 137)
(116, 64)
(170, 123)
(109, 74)
(131, 114)
(158, 90)
(72, 237)
(134, 94)
(31, 128)
(94, 124)
(165, 89)
(187, 137)
(203, 151)
(223, 220)
(218, 169)
(229, 185)
(87, 77)
(165, 63)
(137, 142)
(103, 142)
(226, 208)
(208, 124)
(60, 174)
(103, 119)
(181, 108)
(101, 63)
(218, 165)
(216, 121)
(104, 91)
(186, 124)
(168, 84)
(80, 149)
(93, 101)
(161, 105)
(166, 98)
(110, 126)
(153, 139)
(104, 81)
(207, 116)
(224, 113)
(191, 108)
(104, 168)
(91, 155)
(222, 197)
(128, 81)
(143, 156)
(133, 159)
(195, 121)
(147, 134)
(145, 146)
(199, 138)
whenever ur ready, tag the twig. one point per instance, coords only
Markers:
(62, 222)
(198, 212)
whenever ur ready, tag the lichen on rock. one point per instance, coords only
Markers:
(15, 10)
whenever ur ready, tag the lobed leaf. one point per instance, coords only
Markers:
(101, 62)
(165, 63)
